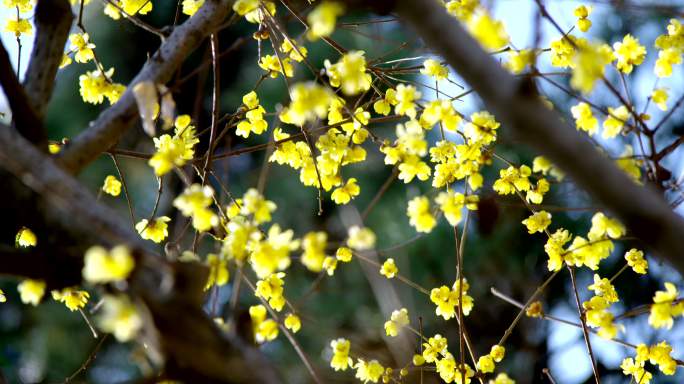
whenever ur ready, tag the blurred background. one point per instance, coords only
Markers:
(48, 343)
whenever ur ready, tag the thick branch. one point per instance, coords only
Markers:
(106, 130)
(67, 219)
(23, 115)
(53, 20)
(642, 209)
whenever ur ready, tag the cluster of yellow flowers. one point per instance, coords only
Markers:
(195, 202)
(671, 47)
(174, 150)
(584, 252)
(447, 299)
(366, 371)
(255, 117)
(658, 354)
(243, 228)
(96, 85)
(665, 306)
(596, 309)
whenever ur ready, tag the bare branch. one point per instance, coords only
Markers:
(23, 115)
(53, 20)
(106, 130)
(641, 209)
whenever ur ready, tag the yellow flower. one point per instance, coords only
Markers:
(488, 31)
(389, 269)
(584, 118)
(420, 215)
(255, 204)
(71, 297)
(3, 298)
(18, 26)
(102, 266)
(502, 378)
(340, 360)
(255, 117)
(174, 150)
(322, 19)
(129, 7)
(111, 186)
(535, 310)
(292, 322)
(271, 288)
(349, 73)
(554, 248)
(25, 238)
(360, 238)
(590, 61)
(120, 317)
(485, 364)
(83, 47)
(194, 202)
(447, 300)
(435, 347)
(659, 97)
(264, 329)
(519, 60)
(582, 13)
(406, 96)
(434, 69)
(275, 65)
(413, 167)
(663, 309)
(615, 121)
(482, 128)
(604, 288)
(95, 86)
(512, 180)
(313, 245)
(156, 230)
(452, 203)
(368, 371)
(218, 271)
(603, 226)
(31, 291)
(666, 59)
(635, 259)
(343, 254)
(629, 53)
(636, 370)
(497, 353)
(344, 194)
(310, 101)
(537, 222)
(398, 320)
(330, 264)
(190, 7)
(297, 53)
(23, 5)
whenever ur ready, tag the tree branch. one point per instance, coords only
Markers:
(641, 209)
(106, 130)
(53, 20)
(23, 115)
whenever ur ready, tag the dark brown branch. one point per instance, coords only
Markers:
(53, 20)
(641, 209)
(24, 116)
(106, 130)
